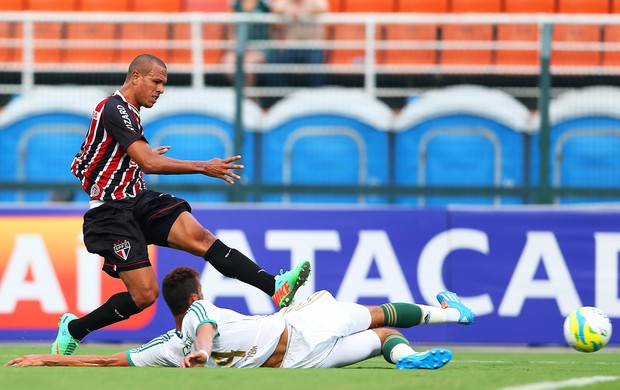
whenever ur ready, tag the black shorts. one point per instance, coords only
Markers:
(120, 230)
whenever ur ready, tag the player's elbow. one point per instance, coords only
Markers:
(118, 360)
(148, 166)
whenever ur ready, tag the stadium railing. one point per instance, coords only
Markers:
(402, 55)
(391, 44)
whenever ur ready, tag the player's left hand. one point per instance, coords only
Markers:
(161, 149)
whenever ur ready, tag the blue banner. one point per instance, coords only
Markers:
(522, 270)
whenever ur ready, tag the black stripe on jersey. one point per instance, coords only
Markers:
(90, 151)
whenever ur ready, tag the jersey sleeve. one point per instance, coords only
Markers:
(199, 313)
(155, 353)
(121, 124)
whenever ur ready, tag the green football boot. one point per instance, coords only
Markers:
(287, 283)
(65, 344)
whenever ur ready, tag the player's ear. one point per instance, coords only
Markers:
(135, 76)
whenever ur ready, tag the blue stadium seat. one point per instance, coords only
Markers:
(326, 136)
(462, 136)
(45, 154)
(584, 142)
(40, 133)
(200, 125)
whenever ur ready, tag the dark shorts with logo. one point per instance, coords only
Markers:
(120, 230)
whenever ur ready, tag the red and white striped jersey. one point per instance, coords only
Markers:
(103, 166)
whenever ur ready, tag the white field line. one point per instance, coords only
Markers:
(533, 361)
(575, 382)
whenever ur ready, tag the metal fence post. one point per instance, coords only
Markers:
(239, 83)
(370, 77)
(28, 55)
(198, 79)
(544, 191)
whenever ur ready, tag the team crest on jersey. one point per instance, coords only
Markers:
(122, 248)
(95, 191)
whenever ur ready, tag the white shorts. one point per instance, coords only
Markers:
(315, 328)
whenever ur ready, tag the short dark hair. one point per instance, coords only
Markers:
(143, 64)
(177, 286)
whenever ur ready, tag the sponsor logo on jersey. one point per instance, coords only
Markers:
(125, 117)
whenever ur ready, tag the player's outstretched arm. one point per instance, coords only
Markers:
(116, 360)
(151, 161)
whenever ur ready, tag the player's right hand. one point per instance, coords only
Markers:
(220, 168)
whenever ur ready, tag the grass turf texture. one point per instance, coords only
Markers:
(471, 368)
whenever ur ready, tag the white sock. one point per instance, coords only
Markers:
(400, 351)
(438, 315)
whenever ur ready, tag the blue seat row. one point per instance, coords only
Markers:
(326, 137)
(585, 142)
(40, 133)
(461, 136)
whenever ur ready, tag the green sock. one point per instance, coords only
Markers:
(401, 315)
(391, 342)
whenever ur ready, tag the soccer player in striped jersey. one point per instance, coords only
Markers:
(125, 216)
(317, 333)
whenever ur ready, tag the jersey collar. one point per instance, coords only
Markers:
(118, 93)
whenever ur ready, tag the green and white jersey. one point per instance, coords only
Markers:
(241, 340)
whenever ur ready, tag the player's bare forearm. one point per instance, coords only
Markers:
(153, 161)
(117, 360)
(203, 346)
(216, 167)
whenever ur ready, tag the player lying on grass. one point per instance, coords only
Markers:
(318, 333)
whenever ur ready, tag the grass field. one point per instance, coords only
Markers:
(471, 368)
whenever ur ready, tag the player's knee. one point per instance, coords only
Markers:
(146, 298)
(197, 233)
(206, 239)
(383, 333)
(198, 240)
(377, 317)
